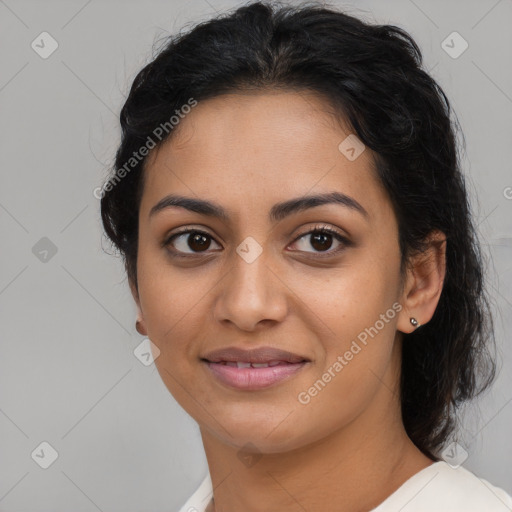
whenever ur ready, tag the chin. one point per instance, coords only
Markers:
(259, 432)
(256, 442)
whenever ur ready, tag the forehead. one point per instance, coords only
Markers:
(255, 147)
(270, 117)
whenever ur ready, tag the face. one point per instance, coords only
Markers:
(262, 276)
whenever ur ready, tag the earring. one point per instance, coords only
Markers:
(415, 322)
(139, 327)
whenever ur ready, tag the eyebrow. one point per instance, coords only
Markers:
(277, 213)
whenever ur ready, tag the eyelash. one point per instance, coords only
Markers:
(317, 229)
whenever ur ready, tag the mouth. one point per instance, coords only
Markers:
(247, 364)
(253, 369)
(254, 355)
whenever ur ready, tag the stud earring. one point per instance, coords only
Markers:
(139, 327)
(415, 322)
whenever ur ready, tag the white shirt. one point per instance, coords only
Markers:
(436, 488)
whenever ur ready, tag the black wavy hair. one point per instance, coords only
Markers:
(372, 74)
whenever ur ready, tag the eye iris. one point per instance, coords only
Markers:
(321, 239)
(202, 241)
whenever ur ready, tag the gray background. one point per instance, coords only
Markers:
(68, 375)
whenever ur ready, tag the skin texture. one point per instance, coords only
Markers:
(348, 445)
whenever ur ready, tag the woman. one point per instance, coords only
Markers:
(296, 233)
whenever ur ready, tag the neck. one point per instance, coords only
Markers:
(353, 469)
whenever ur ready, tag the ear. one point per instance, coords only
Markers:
(141, 329)
(423, 283)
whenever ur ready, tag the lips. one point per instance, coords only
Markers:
(262, 355)
(255, 369)
(246, 364)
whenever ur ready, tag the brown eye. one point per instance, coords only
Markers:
(321, 239)
(190, 242)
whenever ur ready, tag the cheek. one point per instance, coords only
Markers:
(172, 307)
(349, 298)
(172, 299)
(355, 312)
(352, 359)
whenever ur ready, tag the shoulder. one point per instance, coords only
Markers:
(441, 487)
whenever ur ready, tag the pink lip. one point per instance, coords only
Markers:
(254, 355)
(253, 378)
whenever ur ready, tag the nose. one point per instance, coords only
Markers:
(251, 294)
